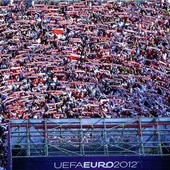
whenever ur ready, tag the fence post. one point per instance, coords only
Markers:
(9, 149)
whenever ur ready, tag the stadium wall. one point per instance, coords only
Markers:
(93, 163)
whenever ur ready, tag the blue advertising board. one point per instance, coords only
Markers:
(92, 163)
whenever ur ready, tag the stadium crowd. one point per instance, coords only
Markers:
(3, 146)
(84, 59)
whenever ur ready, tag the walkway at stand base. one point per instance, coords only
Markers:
(80, 143)
(86, 137)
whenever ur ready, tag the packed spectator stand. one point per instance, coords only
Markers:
(84, 59)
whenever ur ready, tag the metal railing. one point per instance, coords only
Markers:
(86, 137)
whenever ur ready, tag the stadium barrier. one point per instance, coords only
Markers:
(45, 142)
